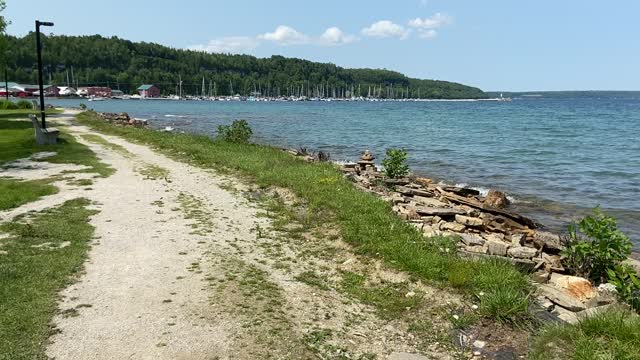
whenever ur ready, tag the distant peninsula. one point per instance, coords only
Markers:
(121, 64)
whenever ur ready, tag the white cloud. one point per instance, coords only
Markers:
(231, 44)
(427, 34)
(285, 35)
(386, 29)
(426, 26)
(335, 36)
(433, 22)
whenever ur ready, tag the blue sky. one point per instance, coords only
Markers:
(495, 45)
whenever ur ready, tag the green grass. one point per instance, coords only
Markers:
(30, 278)
(611, 335)
(388, 298)
(365, 221)
(17, 141)
(24, 113)
(15, 193)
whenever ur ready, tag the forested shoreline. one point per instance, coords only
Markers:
(125, 65)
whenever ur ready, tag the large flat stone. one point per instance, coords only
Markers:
(468, 220)
(497, 247)
(471, 239)
(450, 226)
(522, 252)
(577, 287)
(439, 211)
(561, 298)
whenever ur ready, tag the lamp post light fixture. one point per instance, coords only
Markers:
(39, 48)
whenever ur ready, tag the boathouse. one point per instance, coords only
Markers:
(149, 91)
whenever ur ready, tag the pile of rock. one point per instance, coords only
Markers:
(484, 229)
(123, 119)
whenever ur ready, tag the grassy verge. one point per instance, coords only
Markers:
(17, 141)
(612, 335)
(41, 257)
(24, 113)
(364, 220)
(15, 193)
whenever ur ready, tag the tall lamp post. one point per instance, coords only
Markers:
(39, 48)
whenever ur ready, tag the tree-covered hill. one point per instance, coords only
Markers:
(118, 63)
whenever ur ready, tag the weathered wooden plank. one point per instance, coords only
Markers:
(478, 205)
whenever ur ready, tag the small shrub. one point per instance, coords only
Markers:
(24, 104)
(627, 284)
(395, 163)
(83, 106)
(238, 132)
(596, 246)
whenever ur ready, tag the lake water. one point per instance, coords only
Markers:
(557, 155)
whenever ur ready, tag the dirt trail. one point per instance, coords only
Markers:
(184, 267)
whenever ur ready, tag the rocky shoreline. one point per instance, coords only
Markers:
(484, 228)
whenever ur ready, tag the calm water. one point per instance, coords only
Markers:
(557, 156)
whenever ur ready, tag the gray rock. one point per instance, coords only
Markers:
(406, 356)
(455, 227)
(562, 299)
(541, 276)
(518, 239)
(468, 221)
(549, 240)
(476, 249)
(497, 247)
(471, 239)
(522, 252)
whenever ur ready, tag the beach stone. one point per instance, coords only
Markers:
(455, 227)
(468, 221)
(544, 302)
(541, 276)
(561, 298)
(548, 240)
(577, 287)
(518, 239)
(406, 356)
(477, 249)
(494, 236)
(522, 252)
(554, 261)
(496, 199)
(565, 315)
(497, 247)
(471, 239)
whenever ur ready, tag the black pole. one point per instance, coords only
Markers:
(39, 49)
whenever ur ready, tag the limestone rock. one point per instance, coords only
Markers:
(477, 249)
(496, 199)
(577, 287)
(471, 239)
(548, 240)
(455, 227)
(522, 252)
(541, 276)
(468, 221)
(497, 247)
(518, 239)
(560, 297)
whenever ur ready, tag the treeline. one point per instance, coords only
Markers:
(125, 65)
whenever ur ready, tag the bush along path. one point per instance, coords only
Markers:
(189, 263)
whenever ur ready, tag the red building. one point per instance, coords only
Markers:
(149, 91)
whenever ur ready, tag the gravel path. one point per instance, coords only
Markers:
(142, 295)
